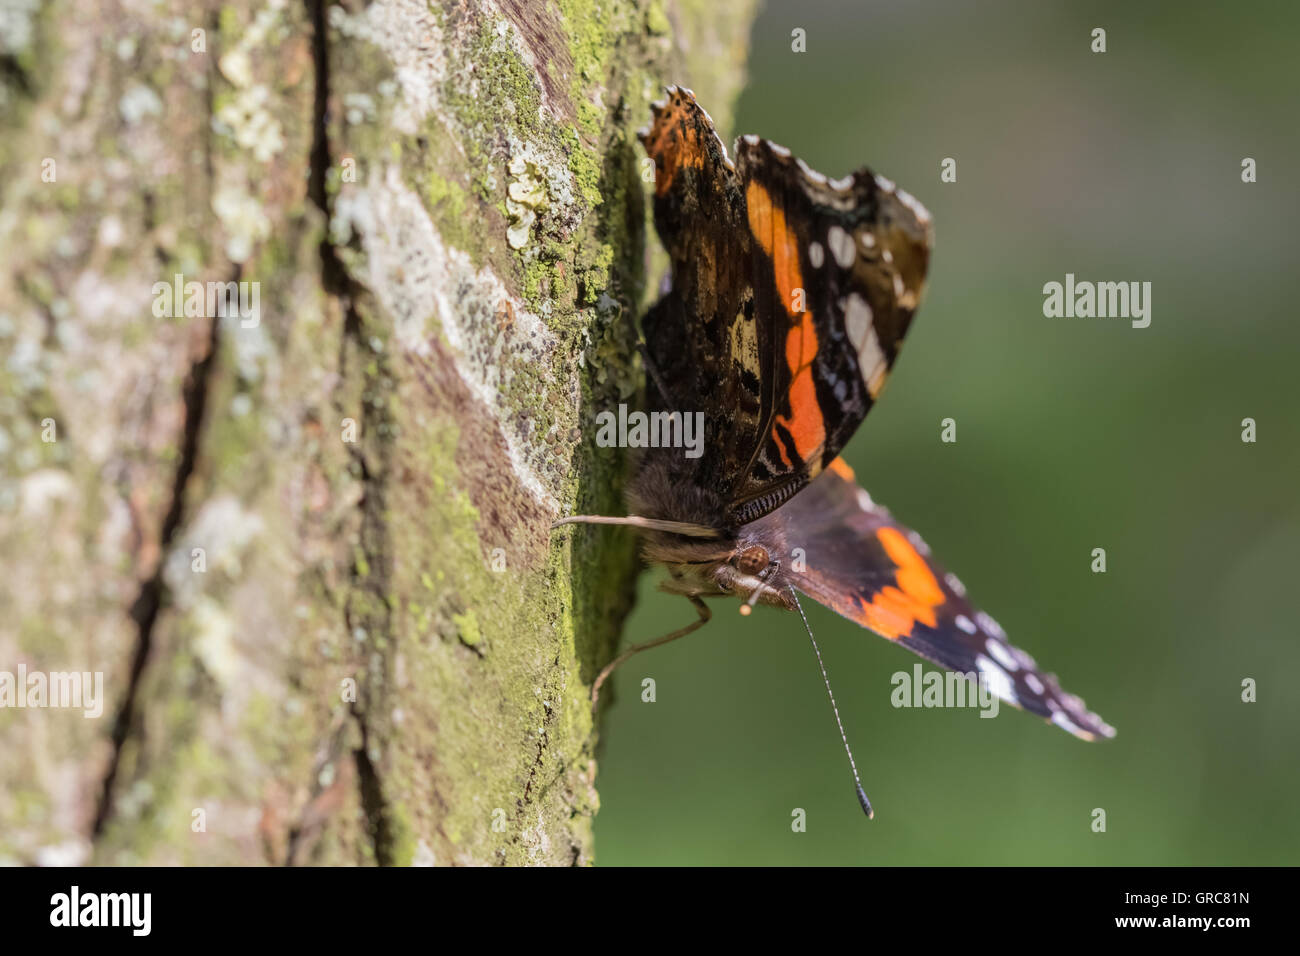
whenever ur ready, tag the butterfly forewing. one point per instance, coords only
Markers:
(838, 268)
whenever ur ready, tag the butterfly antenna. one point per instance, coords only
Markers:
(862, 794)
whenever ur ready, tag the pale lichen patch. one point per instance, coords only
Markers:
(424, 284)
(410, 35)
(241, 216)
(224, 530)
(138, 103)
(247, 119)
(525, 195)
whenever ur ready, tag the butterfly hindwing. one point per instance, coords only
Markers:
(702, 338)
(867, 567)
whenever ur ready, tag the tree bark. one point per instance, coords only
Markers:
(308, 548)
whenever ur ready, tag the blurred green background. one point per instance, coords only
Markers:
(1072, 434)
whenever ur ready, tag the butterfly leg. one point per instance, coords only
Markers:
(700, 608)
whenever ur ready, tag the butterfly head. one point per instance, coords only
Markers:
(746, 570)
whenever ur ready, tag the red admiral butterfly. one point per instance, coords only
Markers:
(790, 297)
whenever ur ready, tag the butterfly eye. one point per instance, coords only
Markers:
(753, 559)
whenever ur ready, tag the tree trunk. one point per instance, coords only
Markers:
(307, 544)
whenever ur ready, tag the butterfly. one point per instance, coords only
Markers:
(790, 297)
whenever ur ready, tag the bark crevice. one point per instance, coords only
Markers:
(149, 602)
(364, 607)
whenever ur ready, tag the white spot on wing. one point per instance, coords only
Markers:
(841, 244)
(1003, 656)
(886, 184)
(864, 500)
(862, 335)
(779, 150)
(995, 678)
(955, 583)
(844, 183)
(1062, 720)
(857, 320)
(1034, 683)
(966, 624)
(816, 254)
